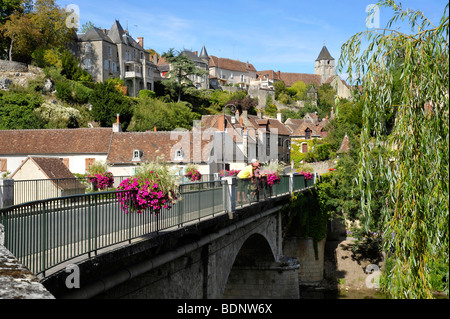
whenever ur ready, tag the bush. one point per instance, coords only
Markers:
(143, 94)
(63, 91)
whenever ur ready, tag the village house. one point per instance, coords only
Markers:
(51, 178)
(310, 127)
(201, 61)
(114, 53)
(228, 72)
(324, 73)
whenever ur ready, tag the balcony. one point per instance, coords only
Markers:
(132, 74)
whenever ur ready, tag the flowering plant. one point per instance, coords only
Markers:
(307, 175)
(102, 181)
(153, 187)
(193, 174)
(232, 172)
(272, 173)
(99, 176)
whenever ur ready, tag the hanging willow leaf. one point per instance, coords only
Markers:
(406, 114)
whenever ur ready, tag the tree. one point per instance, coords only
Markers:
(181, 68)
(17, 110)
(44, 26)
(108, 101)
(412, 157)
(150, 113)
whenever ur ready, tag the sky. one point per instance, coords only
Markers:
(279, 35)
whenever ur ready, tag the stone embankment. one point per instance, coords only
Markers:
(16, 281)
(16, 73)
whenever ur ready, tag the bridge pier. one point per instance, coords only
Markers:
(277, 280)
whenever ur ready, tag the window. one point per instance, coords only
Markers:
(3, 164)
(106, 64)
(179, 154)
(87, 64)
(109, 51)
(231, 75)
(308, 134)
(242, 78)
(89, 162)
(137, 154)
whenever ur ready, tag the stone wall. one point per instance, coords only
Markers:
(311, 269)
(6, 192)
(279, 281)
(11, 66)
(16, 281)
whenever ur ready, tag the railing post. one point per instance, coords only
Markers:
(6, 192)
(229, 184)
(291, 183)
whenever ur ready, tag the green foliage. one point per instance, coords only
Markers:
(17, 110)
(305, 218)
(178, 78)
(149, 113)
(143, 94)
(107, 101)
(405, 109)
(270, 109)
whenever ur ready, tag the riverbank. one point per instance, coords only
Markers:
(349, 272)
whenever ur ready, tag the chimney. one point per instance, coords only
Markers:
(141, 41)
(221, 123)
(236, 115)
(196, 53)
(104, 31)
(279, 117)
(154, 129)
(259, 114)
(117, 127)
(244, 114)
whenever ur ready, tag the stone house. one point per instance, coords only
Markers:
(114, 53)
(324, 73)
(255, 136)
(231, 72)
(306, 129)
(201, 61)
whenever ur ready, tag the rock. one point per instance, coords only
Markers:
(48, 86)
(5, 83)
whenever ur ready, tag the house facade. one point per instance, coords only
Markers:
(114, 53)
(228, 72)
(77, 148)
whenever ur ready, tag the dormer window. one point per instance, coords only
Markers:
(179, 154)
(137, 155)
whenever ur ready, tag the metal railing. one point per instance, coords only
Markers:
(46, 233)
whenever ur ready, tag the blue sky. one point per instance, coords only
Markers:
(285, 35)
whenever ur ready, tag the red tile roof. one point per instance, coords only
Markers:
(156, 145)
(55, 141)
(228, 64)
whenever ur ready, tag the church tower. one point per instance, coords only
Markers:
(325, 65)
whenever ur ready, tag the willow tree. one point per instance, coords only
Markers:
(403, 80)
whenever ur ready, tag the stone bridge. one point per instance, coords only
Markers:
(236, 255)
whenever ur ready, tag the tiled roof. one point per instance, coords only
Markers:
(156, 145)
(228, 64)
(54, 168)
(56, 141)
(290, 78)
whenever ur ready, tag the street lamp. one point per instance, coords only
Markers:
(233, 109)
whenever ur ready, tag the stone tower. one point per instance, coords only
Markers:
(325, 65)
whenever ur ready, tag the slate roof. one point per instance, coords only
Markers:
(324, 54)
